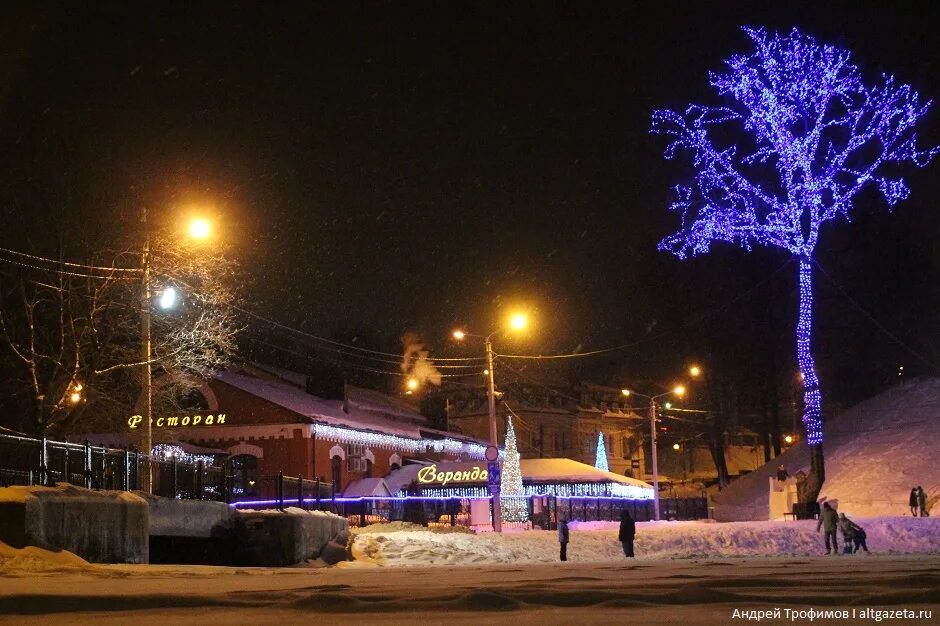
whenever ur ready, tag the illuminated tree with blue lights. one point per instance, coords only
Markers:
(800, 136)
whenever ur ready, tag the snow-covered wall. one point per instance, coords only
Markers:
(875, 452)
(99, 526)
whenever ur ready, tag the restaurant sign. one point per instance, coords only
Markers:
(452, 473)
(175, 422)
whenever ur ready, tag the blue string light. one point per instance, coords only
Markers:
(600, 458)
(816, 135)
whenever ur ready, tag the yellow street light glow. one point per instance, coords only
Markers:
(679, 390)
(676, 446)
(695, 371)
(459, 334)
(518, 321)
(668, 405)
(75, 397)
(788, 438)
(625, 392)
(199, 228)
(412, 383)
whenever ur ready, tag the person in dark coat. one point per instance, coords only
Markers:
(913, 501)
(852, 534)
(922, 501)
(829, 522)
(782, 474)
(563, 538)
(627, 533)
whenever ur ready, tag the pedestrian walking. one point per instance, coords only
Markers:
(848, 533)
(913, 501)
(922, 501)
(627, 533)
(782, 474)
(563, 538)
(829, 522)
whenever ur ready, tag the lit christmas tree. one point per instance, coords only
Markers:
(600, 461)
(513, 509)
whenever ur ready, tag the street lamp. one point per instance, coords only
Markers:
(677, 391)
(199, 228)
(517, 321)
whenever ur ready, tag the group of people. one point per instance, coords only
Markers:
(853, 535)
(918, 502)
(626, 535)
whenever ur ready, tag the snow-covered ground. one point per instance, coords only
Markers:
(406, 545)
(685, 591)
(875, 452)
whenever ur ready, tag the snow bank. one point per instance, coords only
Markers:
(401, 545)
(875, 452)
(33, 559)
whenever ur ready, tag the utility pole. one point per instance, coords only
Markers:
(491, 402)
(653, 458)
(145, 348)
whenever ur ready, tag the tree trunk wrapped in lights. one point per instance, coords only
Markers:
(600, 461)
(514, 509)
(800, 136)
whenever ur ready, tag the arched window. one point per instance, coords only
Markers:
(244, 475)
(336, 464)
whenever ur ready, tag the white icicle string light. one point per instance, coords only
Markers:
(168, 452)
(395, 442)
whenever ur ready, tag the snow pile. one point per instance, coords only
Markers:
(401, 545)
(875, 452)
(292, 510)
(33, 559)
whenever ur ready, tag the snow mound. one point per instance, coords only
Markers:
(875, 452)
(408, 545)
(33, 559)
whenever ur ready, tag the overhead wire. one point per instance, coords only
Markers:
(71, 264)
(656, 337)
(874, 321)
(66, 273)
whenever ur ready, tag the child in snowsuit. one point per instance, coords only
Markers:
(563, 538)
(853, 535)
(829, 521)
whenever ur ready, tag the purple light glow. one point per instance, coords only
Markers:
(814, 135)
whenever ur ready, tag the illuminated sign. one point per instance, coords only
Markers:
(175, 422)
(431, 475)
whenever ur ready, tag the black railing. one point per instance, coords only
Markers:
(28, 461)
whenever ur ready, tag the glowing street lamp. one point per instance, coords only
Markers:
(198, 229)
(412, 384)
(517, 321)
(676, 446)
(695, 371)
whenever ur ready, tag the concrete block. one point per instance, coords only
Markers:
(277, 539)
(99, 526)
(187, 518)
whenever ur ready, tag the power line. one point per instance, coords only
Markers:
(68, 264)
(872, 319)
(65, 273)
(324, 339)
(634, 344)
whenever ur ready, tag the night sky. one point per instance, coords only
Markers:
(396, 167)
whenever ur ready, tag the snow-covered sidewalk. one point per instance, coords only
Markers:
(401, 545)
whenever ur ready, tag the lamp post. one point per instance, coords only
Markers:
(679, 391)
(198, 229)
(517, 322)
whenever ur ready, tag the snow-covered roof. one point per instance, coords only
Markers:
(317, 409)
(571, 471)
(367, 487)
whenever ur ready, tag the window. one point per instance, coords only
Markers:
(336, 465)
(244, 475)
(356, 458)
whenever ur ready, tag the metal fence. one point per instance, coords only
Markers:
(28, 461)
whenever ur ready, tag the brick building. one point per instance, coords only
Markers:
(267, 422)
